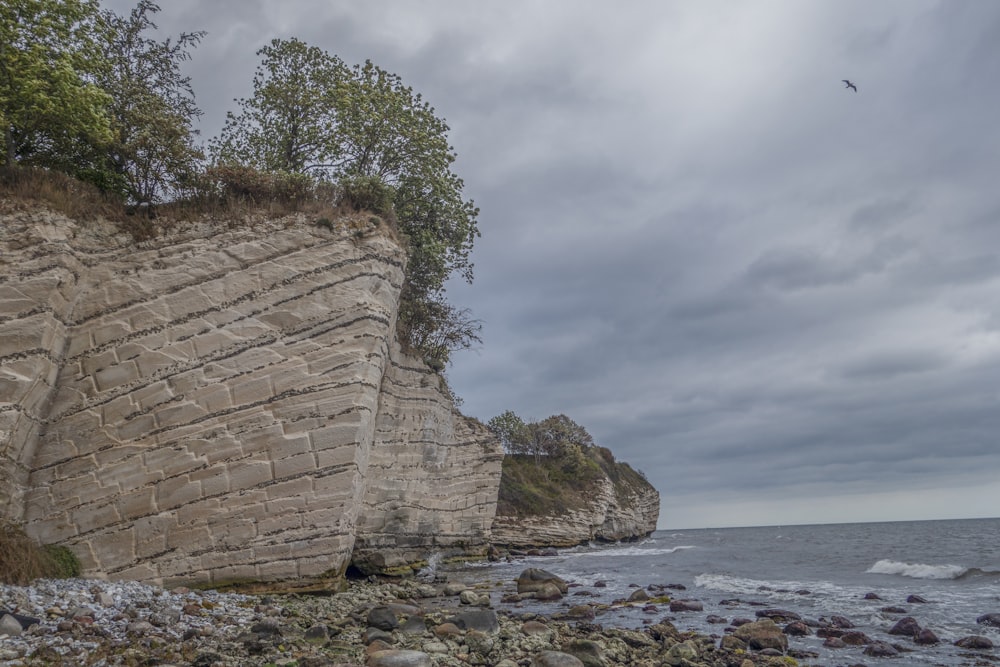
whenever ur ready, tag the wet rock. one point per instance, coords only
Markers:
(855, 638)
(797, 629)
(399, 658)
(975, 642)
(732, 643)
(926, 637)
(778, 615)
(881, 649)
(534, 579)
(893, 610)
(581, 612)
(715, 620)
(638, 595)
(454, 588)
(841, 622)
(600, 584)
(382, 618)
(686, 605)
(916, 599)
(548, 592)
(834, 642)
(872, 596)
(989, 619)
(762, 634)
(906, 626)
(555, 659)
(475, 599)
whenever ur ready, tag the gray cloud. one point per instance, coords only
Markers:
(777, 297)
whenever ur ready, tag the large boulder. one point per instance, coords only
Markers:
(534, 579)
(906, 626)
(989, 619)
(762, 634)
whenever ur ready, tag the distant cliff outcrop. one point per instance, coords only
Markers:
(582, 496)
(227, 403)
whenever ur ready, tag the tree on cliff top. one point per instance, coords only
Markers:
(152, 105)
(48, 98)
(362, 128)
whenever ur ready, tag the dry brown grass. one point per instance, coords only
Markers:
(22, 188)
(22, 560)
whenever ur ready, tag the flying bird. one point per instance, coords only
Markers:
(850, 85)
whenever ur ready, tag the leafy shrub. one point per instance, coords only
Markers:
(229, 182)
(366, 193)
(63, 563)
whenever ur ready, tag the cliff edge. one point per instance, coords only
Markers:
(227, 404)
(562, 501)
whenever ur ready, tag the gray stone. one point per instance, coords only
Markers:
(399, 658)
(535, 579)
(880, 649)
(382, 618)
(555, 659)
(9, 626)
(483, 620)
(586, 651)
(976, 642)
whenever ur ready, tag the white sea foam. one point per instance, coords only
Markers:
(917, 570)
(627, 551)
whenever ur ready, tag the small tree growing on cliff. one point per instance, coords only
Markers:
(49, 102)
(152, 104)
(311, 114)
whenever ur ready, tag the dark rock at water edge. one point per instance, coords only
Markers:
(989, 619)
(976, 642)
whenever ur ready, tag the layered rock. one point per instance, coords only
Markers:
(617, 510)
(225, 404)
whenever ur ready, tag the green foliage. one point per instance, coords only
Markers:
(63, 563)
(290, 122)
(388, 152)
(366, 193)
(22, 560)
(554, 464)
(510, 429)
(49, 104)
(152, 107)
(242, 183)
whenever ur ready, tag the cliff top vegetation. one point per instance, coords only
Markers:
(553, 464)
(89, 95)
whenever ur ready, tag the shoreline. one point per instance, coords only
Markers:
(381, 624)
(461, 618)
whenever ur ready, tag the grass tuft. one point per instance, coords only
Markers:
(22, 559)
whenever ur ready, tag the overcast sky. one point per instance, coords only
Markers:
(777, 297)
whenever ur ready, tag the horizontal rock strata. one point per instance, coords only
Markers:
(616, 513)
(224, 404)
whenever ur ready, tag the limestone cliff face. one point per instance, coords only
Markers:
(225, 404)
(621, 509)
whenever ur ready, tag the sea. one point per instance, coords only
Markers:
(815, 571)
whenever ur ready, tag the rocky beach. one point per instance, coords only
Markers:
(405, 623)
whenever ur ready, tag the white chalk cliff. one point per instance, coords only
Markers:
(226, 403)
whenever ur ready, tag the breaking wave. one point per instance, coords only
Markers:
(627, 551)
(918, 570)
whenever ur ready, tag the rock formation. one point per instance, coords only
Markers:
(226, 404)
(621, 506)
